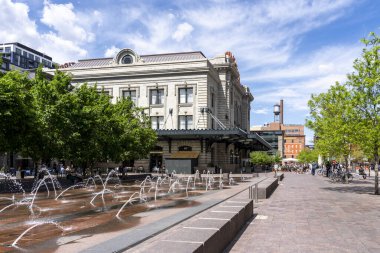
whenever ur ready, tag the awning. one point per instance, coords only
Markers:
(156, 152)
(185, 154)
(290, 160)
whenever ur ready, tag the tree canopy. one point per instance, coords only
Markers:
(349, 114)
(49, 118)
(263, 158)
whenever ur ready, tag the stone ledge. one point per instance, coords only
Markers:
(267, 187)
(280, 176)
(209, 232)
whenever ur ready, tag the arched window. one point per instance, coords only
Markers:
(185, 148)
(128, 59)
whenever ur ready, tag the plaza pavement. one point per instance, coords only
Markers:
(311, 214)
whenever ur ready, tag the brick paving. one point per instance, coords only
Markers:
(312, 214)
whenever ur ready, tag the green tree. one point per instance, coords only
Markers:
(16, 112)
(364, 84)
(308, 156)
(260, 158)
(333, 120)
(43, 142)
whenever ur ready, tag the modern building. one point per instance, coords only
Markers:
(17, 56)
(275, 137)
(198, 106)
(287, 139)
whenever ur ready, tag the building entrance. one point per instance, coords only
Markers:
(155, 161)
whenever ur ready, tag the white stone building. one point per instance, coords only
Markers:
(198, 106)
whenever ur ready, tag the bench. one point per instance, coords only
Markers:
(267, 187)
(209, 232)
(280, 176)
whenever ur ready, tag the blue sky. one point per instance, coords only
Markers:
(285, 49)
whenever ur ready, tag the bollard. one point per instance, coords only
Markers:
(256, 193)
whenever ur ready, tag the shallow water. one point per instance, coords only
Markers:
(78, 217)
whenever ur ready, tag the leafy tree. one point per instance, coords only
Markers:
(49, 118)
(332, 118)
(308, 156)
(42, 143)
(364, 83)
(16, 112)
(260, 158)
(350, 113)
(276, 158)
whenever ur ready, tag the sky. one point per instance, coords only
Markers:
(285, 49)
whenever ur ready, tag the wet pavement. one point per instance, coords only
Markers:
(311, 214)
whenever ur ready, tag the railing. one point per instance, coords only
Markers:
(253, 191)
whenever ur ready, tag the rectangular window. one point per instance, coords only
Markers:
(185, 122)
(157, 122)
(25, 54)
(157, 97)
(185, 95)
(31, 57)
(7, 50)
(18, 51)
(105, 92)
(37, 59)
(212, 99)
(130, 94)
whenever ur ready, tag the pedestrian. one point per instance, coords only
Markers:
(313, 168)
(328, 168)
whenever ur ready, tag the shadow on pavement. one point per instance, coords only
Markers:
(351, 189)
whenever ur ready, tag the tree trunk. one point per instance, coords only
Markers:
(346, 172)
(376, 172)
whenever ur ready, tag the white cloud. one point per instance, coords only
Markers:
(111, 52)
(71, 29)
(310, 74)
(182, 31)
(261, 111)
(15, 23)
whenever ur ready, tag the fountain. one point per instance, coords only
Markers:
(35, 225)
(76, 203)
(12, 184)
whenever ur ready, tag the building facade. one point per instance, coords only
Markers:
(17, 56)
(198, 106)
(294, 140)
(287, 139)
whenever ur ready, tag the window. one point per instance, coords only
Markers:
(105, 92)
(184, 148)
(25, 54)
(185, 95)
(16, 59)
(130, 94)
(127, 59)
(18, 51)
(156, 96)
(37, 59)
(7, 50)
(185, 122)
(157, 122)
(31, 57)
(212, 100)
